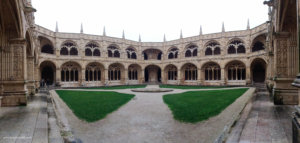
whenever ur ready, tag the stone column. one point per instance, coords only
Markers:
(58, 77)
(106, 77)
(36, 76)
(30, 75)
(223, 77)
(126, 76)
(296, 115)
(199, 79)
(83, 83)
(163, 76)
(178, 76)
(248, 72)
(15, 85)
(143, 76)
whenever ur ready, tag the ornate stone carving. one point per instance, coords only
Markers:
(30, 69)
(282, 59)
(18, 62)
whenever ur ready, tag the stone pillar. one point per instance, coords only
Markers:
(178, 76)
(223, 77)
(126, 76)
(296, 115)
(199, 79)
(15, 80)
(106, 77)
(36, 76)
(163, 76)
(143, 76)
(248, 76)
(83, 83)
(58, 77)
(30, 75)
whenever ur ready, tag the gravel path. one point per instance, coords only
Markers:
(147, 119)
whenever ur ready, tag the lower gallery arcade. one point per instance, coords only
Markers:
(73, 74)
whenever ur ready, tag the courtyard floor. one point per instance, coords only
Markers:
(146, 118)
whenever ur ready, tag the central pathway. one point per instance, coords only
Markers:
(146, 118)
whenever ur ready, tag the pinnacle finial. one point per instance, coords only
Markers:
(123, 36)
(200, 29)
(181, 33)
(223, 27)
(139, 37)
(164, 37)
(248, 25)
(56, 29)
(104, 33)
(81, 30)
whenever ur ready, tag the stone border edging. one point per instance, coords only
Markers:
(65, 131)
(227, 128)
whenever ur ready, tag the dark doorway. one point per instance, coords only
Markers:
(48, 73)
(258, 73)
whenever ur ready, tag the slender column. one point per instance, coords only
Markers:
(208, 75)
(178, 76)
(223, 76)
(74, 75)
(248, 77)
(126, 75)
(106, 76)
(143, 75)
(199, 76)
(93, 76)
(241, 74)
(162, 76)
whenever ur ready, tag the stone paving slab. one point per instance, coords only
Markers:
(266, 122)
(26, 124)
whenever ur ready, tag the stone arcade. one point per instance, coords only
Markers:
(266, 53)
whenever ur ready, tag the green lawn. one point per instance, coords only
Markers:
(92, 106)
(189, 87)
(196, 106)
(117, 87)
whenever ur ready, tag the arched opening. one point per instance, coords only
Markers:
(115, 73)
(190, 72)
(258, 69)
(93, 73)
(145, 56)
(128, 55)
(170, 56)
(258, 46)
(88, 52)
(133, 56)
(236, 71)
(110, 53)
(212, 72)
(208, 51)
(159, 56)
(217, 51)
(48, 72)
(152, 74)
(231, 50)
(73, 51)
(70, 72)
(188, 53)
(117, 54)
(96, 53)
(134, 73)
(241, 49)
(47, 49)
(64, 51)
(171, 73)
(152, 54)
(195, 53)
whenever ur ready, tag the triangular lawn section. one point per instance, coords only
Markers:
(196, 106)
(92, 106)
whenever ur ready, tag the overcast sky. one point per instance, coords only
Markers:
(150, 18)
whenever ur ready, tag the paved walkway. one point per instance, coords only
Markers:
(146, 118)
(262, 121)
(27, 124)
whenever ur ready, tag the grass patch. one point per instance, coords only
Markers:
(92, 106)
(117, 87)
(196, 106)
(190, 87)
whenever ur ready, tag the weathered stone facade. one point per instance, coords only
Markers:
(267, 53)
